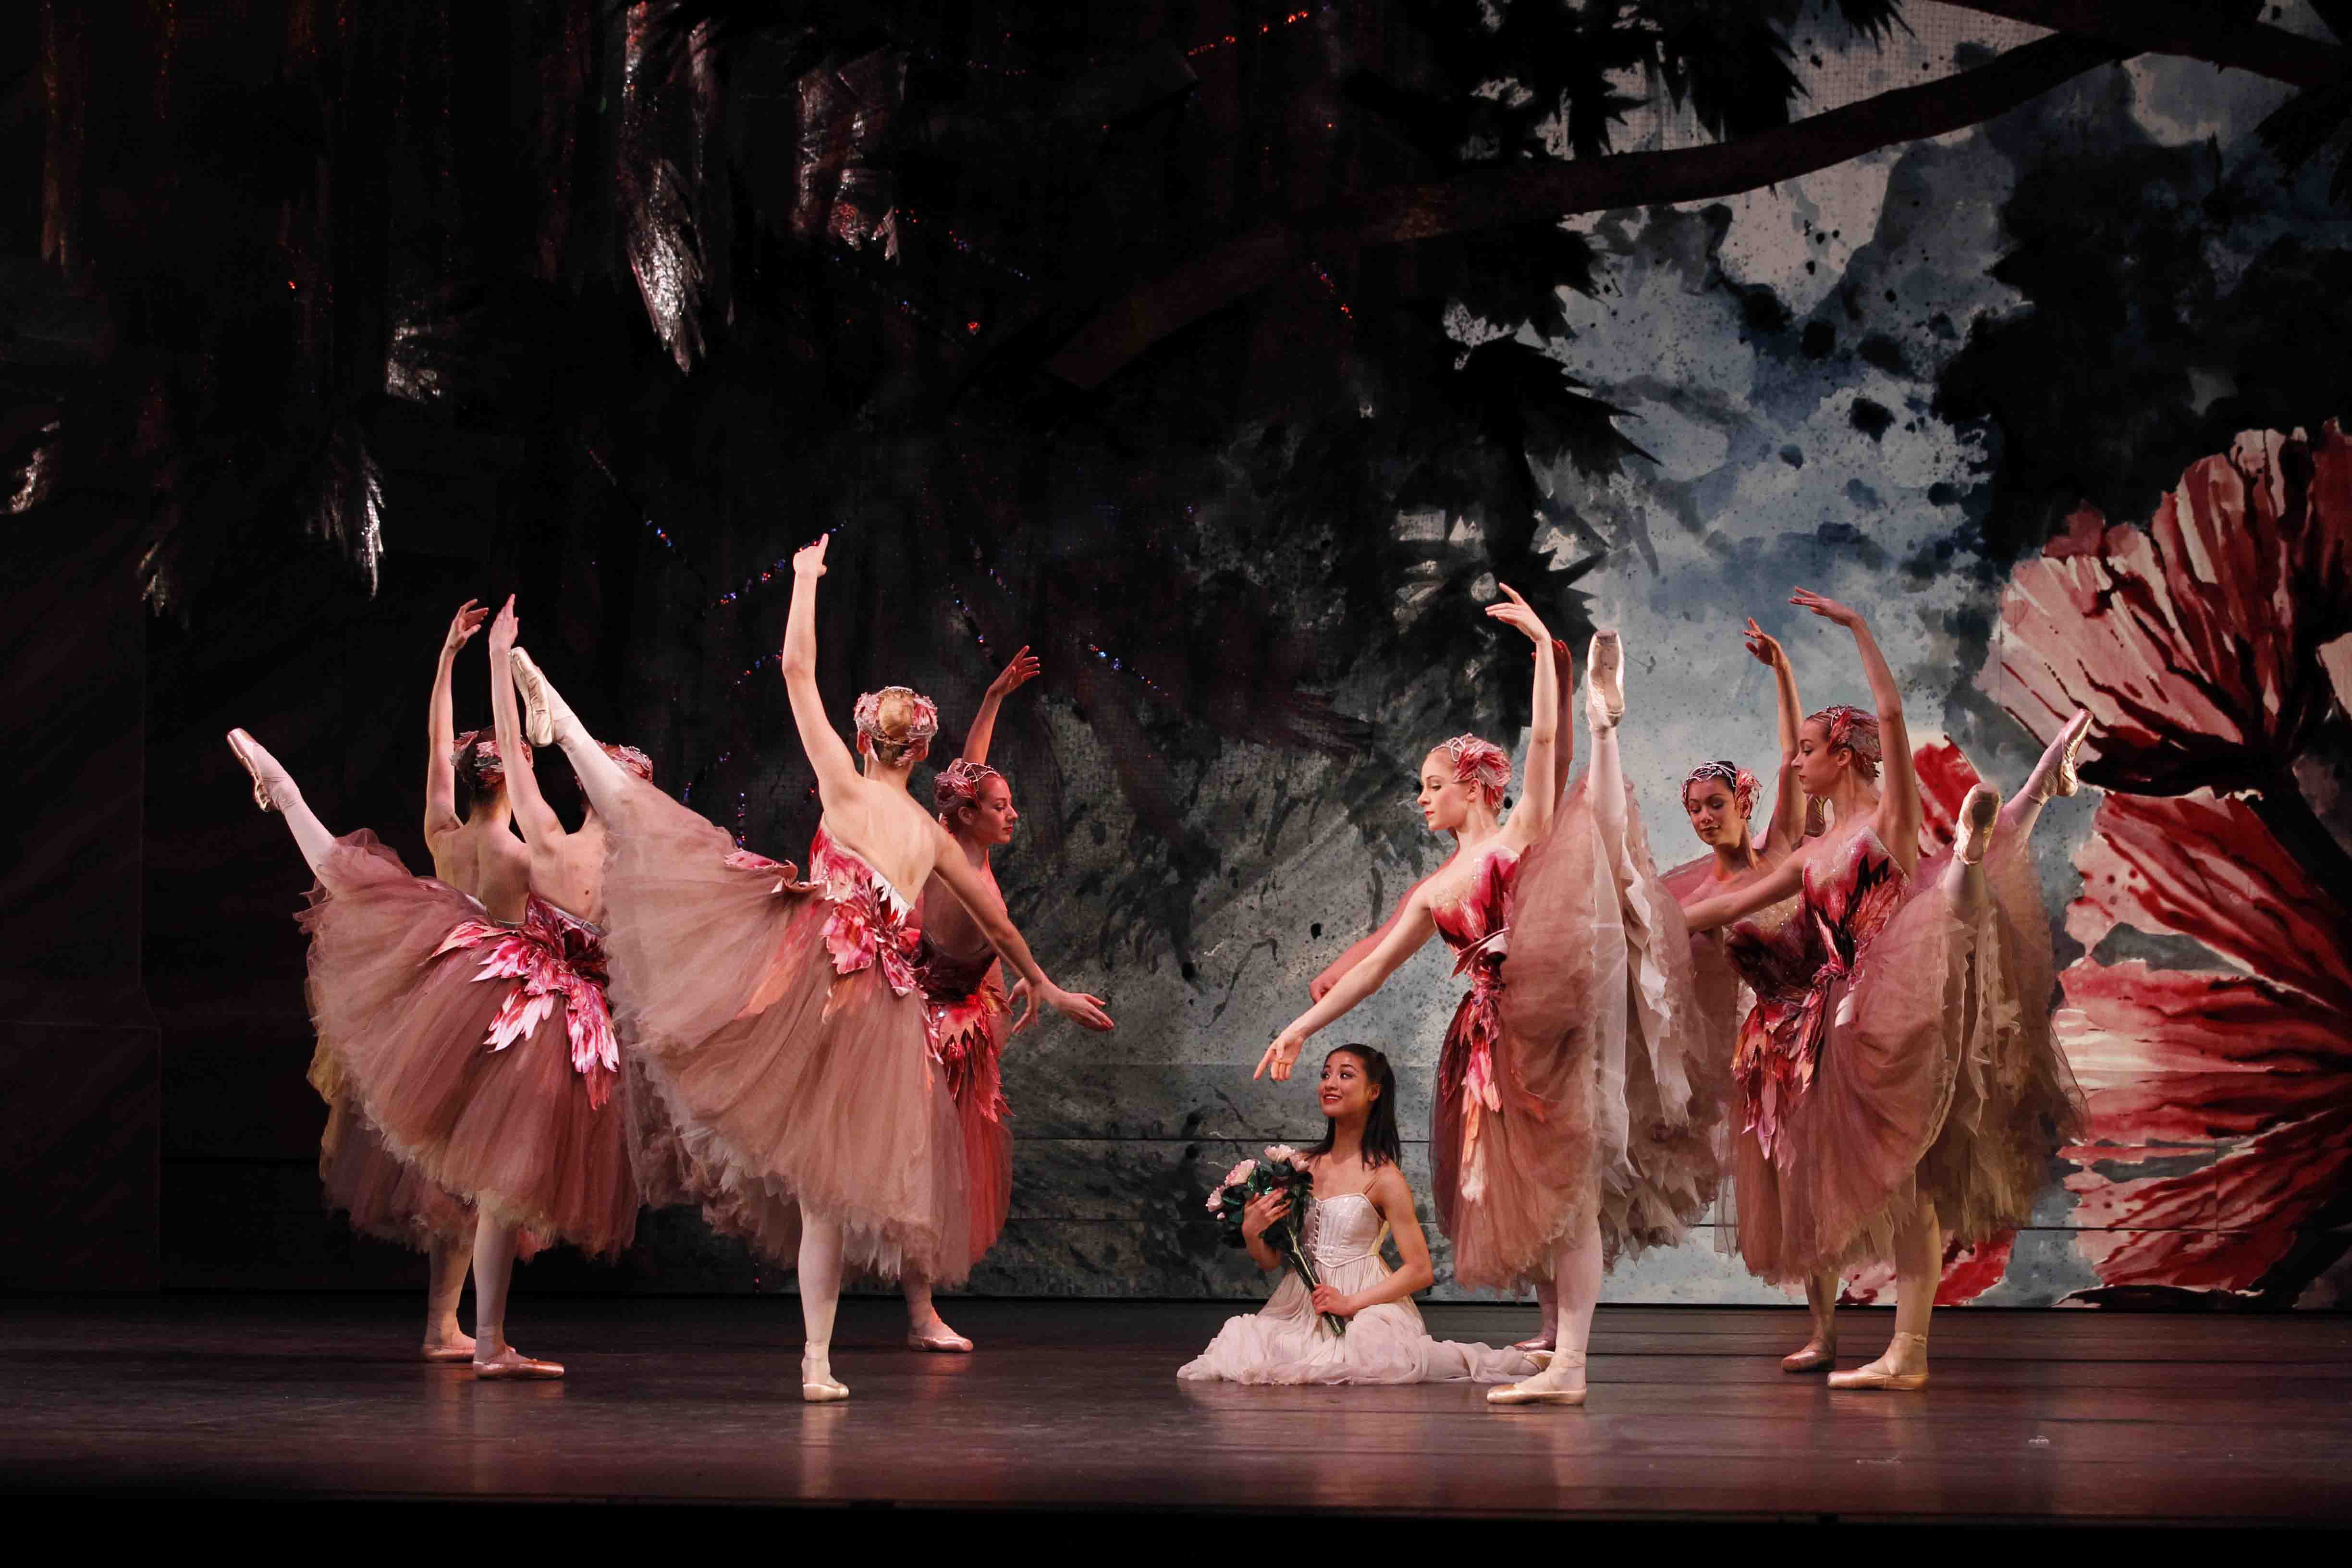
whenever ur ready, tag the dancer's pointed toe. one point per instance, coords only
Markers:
(1814, 1357)
(537, 706)
(1604, 682)
(948, 1342)
(2078, 730)
(818, 1385)
(510, 1365)
(1979, 813)
(257, 762)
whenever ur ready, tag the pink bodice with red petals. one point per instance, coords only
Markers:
(559, 959)
(1477, 926)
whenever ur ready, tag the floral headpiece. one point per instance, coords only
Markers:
(629, 757)
(1856, 729)
(1742, 783)
(1481, 763)
(958, 784)
(476, 757)
(869, 716)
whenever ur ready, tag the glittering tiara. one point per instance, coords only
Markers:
(958, 784)
(1856, 729)
(1479, 762)
(1742, 783)
(629, 757)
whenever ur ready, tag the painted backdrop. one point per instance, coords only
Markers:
(1227, 353)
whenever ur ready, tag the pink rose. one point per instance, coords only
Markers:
(1239, 1173)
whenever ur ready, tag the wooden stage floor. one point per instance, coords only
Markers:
(2032, 1417)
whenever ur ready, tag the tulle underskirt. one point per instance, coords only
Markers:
(776, 1082)
(512, 1132)
(1936, 1080)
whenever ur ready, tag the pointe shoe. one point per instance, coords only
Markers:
(259, 764)
(1536, 1391)
(450, 1354)
(1542, 1355)
(1878, 1374)
(1816, 1356)
(539, 699)
(510, 1365)
(817, 1384)
(2067, 780)
(948, 1343)
(1604, 682)
(1540, 1343)
(1979, 812)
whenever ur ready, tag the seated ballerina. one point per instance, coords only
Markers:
(1360, 1198)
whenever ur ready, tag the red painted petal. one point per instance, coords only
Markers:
(1946, 776)
(2206, 868)
(2194, 642)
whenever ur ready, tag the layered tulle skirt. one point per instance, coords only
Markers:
(1285, 1342)
(967, 1019)
(1935, 1077)
(777, 1026)
(1609, 1093)
(454, 1041)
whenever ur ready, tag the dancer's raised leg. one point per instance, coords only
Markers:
(2052, 777)
(494, 1260)
(820, 1278)
(1919, 1242)
(274, 790)
(549, 720)
(447, 1257)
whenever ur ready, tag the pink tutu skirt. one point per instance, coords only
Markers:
(383, 1195)
(480, 1055)
(966, 1018)
(1514, 1149)
(1920, 1069)
(779, 1026)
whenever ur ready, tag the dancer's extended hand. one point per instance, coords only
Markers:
(1023, 669)
(464, 624)
(1024, 1001)
(1264, 1210)
(1338, 1302)
(1079, 1007)
(1827, 608)
(1282, 1054)
(504, 630)
(1518, 613)
(808, 561)
(1764, 644)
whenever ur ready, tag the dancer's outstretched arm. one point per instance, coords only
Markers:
(536, 819)
(1787, 828)
(1764, 892)
(836, 764)
(987, 909)
(1023, 669)
(1898, 790)
(441, 729)
(1320, 986)
(1404, 938)
(1394, 1198)
(1539, 797)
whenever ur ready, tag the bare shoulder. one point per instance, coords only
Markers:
(1389, 1192)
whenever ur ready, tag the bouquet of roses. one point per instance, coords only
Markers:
(1284, 1170)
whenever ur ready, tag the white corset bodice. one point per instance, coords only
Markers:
(1342, 1230)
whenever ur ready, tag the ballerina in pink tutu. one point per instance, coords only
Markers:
(467, 1028)
(1361, 1199)
(1910, 1090)
(966, 1012)
(779, 1023)
(383, 1195)
(1719, 799)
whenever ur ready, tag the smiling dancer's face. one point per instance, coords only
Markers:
(1347, 1090)
(1446, 801)
(1713, 813)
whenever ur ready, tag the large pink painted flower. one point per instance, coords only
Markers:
(2208, 648)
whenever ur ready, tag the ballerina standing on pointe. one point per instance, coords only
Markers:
(1910, 1092)
(385, 1196)
(1517, 1128)
(1361, 1199)
(469, 1028)
(1720, 798)
(965, 1010)
(777, 1022)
